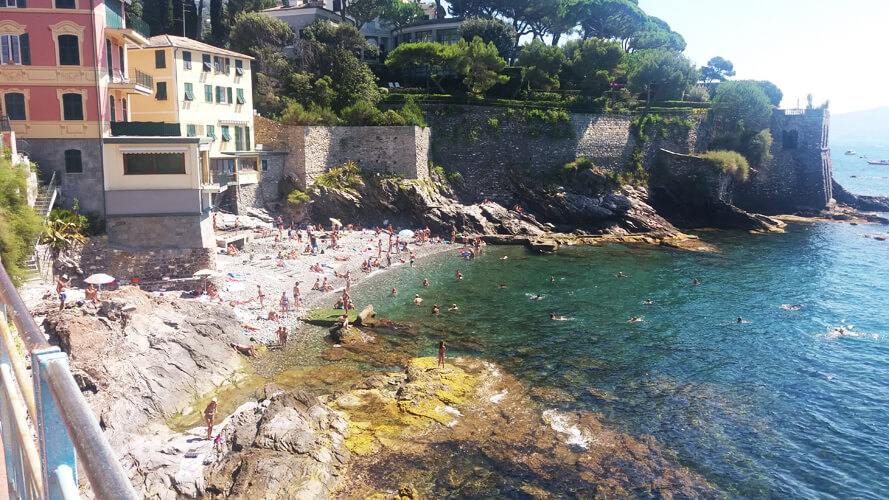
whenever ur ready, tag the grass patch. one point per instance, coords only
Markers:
(730, 162)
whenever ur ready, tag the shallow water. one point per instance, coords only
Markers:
(772, 408)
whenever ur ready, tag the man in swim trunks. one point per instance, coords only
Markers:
(425, 282)
(441, 353)
(435, 309)
(296, 297)
(60, 289)
(417, 299)
(260, 296)
(247, 350)
(453, 307)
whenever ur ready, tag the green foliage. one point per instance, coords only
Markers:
(494, 124)
(329, 50)
(490, 30)
(772, 92)
(555, 123)
(360, 113)
(717, 70)
(297, 198)
(584, 163)
(478, 63)
(756, 148)
(641, 126)
(401, 14)
(741, 104)
(363, 11)
(593, 64)
(343, 178)
(412, 113)
(19, 225)
(660, 74)
(295, 114)
(542, 63)
(264, 38)
(730, 162)
(391, 118)
(698, 93)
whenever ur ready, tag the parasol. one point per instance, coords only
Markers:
(205, 272)
(99, 279)
(336, 222)
(407, 233)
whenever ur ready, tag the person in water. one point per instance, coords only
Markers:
(501, 285)
(635, 319)
(435, 309)
(441, 353)
(426, 282)
(394, 292)
(648, 302)
(742, 320)
(620, 274)
(210, 416)
(552, 279)
(695, 282)
(459, 275)
(537, 297)
(504, 257)
(553, 317)
(417, 299)
(453, 307)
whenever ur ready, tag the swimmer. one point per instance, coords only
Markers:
(620, 274)
(394, 292)
(552, 279)
(453, 307)
(435, 309)
(501, 285)
(790, 307)
(425, 282)
(695, 282)
(635, 319)
(742, 320)
(648, 302)
(557, 318)
(459, 275)
(537, 297)
(417, 299)
(504, 257)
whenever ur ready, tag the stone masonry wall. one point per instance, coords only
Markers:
(313, 150)
(86, 187)
(486, 144)
(97, 257)
(167, 231)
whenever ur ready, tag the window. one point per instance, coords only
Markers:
(15, 106)
(206, 59)
(239, 139)
(211, 131)
(220, 95)
(239, 67)
(160, 59)
(191, 131)
(120, 62)
(64, 4)
(247, 138)
(73, 161)
(161, 94)
(15, 49)
(110, 55)
(111, 103)
(189, 92)
(186, 60)
(123, 109)
(228, 94)
(69, 54)
(7, 3)
(265, 164)
(448, 37)
(72, 106)
(217, 64)
(153, 163)
(240, 96)
(228, 65)
(208, 93)
(225, 136)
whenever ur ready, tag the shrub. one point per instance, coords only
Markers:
(412, 113)
(296, 114)
(343, 178)
(584, 163)
(19, 225)
(698, 93)
(360, 113)
(391, 118)
(730, 162)
(297, 198)
(757, 148)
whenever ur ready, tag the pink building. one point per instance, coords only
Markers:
(64, 78)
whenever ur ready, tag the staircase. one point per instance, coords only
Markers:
(47, 195)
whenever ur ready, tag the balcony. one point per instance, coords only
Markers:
(140, 83)
(151, 129)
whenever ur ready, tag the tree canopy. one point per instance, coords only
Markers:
(542, 64)
(717, 70)
(661, 74)
(742, 102)
(479, 64)
(495, 31)
(19, 224)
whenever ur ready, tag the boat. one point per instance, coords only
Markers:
(850, 152)
(878, 162)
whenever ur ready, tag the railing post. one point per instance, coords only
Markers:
(56, 448)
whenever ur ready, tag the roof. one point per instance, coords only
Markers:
(188, 43)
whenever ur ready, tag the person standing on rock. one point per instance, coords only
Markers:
(282, 336)
(296, 297)
(209, 417)
(260, 296)
(60, 289)
(285, 303)
(441, 353)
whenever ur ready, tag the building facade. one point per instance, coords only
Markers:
(64, 78)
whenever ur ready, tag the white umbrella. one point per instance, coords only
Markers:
(336, 222)
(205, 272)
(99, 279)
(407, 233)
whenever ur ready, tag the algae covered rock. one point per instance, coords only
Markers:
(350, 335)
(328, 317)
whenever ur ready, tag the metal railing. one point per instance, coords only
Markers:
(144, 79)
(66, 429)
(139, 25)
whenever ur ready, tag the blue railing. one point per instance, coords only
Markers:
(67, 431)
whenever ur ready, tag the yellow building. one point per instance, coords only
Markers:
(207, 91)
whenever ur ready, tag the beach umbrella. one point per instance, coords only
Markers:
(336, 222)
(407, 233)
(205, 272)
(99, 279)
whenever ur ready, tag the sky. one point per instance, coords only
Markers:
(837, 50)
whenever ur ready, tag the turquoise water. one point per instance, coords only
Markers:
(869, 179)
(774, 408)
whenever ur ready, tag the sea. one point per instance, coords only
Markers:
(777, 406)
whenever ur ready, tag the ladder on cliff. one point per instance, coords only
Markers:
(47, 195)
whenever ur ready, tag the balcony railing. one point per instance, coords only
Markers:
(139, 25)
(146, 129)
(144, 79)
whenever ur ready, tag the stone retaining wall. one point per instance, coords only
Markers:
(163, 231)
(98, 257)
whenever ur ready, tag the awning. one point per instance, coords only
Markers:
(234, 121)
(147, 150)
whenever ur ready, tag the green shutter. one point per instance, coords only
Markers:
(239, 139)
(265, 165)
(186, 60)
(228, 92)
(220, 94)
(225, 136)
(208, 93)
(160, 59)
(247, 138)
(211, 131)
(240, 96)
(228, 65)
(73, 161)
(22, 4)
(189, 95)
(25, 47)
(161, 94)
(191, 131)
